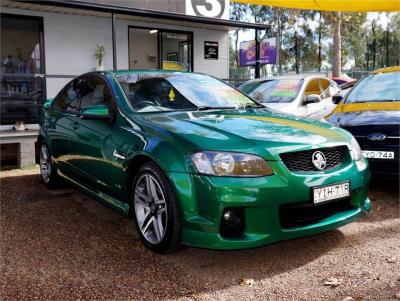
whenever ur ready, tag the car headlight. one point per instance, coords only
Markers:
(356, 153)
(230, 164)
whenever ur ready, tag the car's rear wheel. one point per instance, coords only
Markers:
(156, 210)
(48, 172)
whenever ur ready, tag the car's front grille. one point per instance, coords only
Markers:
(302, 161)
(303, 214)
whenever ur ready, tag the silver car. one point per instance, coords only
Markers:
(301, 95)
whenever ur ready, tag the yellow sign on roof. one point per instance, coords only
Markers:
(331, 5)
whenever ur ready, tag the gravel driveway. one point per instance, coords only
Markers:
(63, 245)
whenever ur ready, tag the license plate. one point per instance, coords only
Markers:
(378, 154)
(331, 192)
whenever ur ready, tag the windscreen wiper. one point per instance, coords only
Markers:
(206, 108)
(255, 106)
(377, 100)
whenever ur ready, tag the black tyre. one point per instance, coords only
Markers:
(48, 172)
(155, 210)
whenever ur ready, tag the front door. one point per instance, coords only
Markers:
(94, 142)
(60, 124)
(323, 88)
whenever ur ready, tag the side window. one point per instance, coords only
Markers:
(68, 99)
(319, 86)
(325, 86)
(95, 92)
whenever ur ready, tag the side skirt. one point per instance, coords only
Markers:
(105, 199)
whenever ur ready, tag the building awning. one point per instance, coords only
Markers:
(144, 13)
(331, 5)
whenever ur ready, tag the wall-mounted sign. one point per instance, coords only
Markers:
(211, 50)
(208, 8)
(267, 52)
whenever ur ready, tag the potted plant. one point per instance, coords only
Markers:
(99, 55)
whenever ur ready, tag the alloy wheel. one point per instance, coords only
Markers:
(45, 163)
(150, 208)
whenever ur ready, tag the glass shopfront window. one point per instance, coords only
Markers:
(151, 48)
(175, 51)
(21, 63)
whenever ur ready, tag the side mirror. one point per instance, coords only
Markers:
(48, 103)
(98, 112)
(313, 98)
(337, 98)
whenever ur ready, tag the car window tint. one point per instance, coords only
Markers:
(95, 92)
(68, 99)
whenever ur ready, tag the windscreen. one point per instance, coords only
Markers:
(379, 87)
(154, 92)
(277, 91)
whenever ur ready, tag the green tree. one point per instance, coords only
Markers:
(353, 38)
(394, 39)
(238, 12)
(310, 39)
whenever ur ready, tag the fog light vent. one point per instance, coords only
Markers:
(232, 222)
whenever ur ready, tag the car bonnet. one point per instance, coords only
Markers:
(249, 130)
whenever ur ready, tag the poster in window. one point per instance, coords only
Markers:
(211, 50)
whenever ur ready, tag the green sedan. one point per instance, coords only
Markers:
(196, 162)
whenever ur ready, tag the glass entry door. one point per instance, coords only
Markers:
(22, 68)
(160, 49)
(175, 51)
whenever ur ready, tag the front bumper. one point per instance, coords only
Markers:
(203, 200)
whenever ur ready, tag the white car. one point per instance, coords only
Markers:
(302, 95)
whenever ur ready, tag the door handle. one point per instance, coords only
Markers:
(75, 126)
(117, 155)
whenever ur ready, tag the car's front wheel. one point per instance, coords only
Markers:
(156, 210)
(48, 172)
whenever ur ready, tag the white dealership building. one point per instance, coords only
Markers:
(46, 43)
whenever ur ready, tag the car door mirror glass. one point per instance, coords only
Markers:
(48, 103)
(337, 98)
(96, 112)
(313, 98)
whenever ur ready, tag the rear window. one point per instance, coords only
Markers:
(379, 87)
